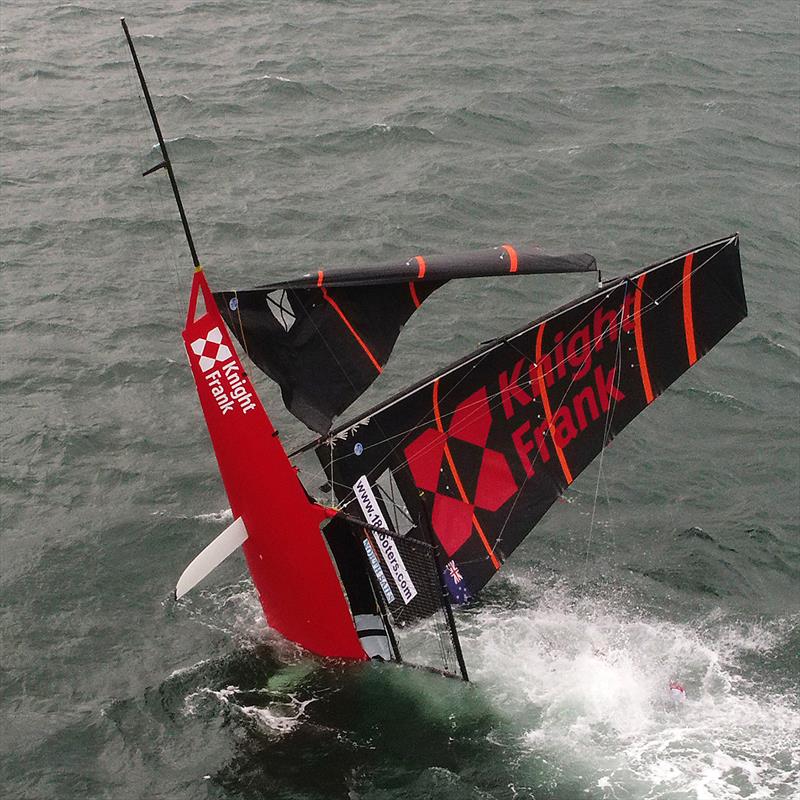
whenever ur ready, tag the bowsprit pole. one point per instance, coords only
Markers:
(166, 163)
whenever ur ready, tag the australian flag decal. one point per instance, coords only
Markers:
(455, 583)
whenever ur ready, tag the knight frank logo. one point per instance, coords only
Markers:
(211, 350)
(464, 475)
(488, 485)
(228, 383)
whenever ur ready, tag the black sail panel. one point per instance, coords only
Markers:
(480, 451)
(325, 337)
(323, 347)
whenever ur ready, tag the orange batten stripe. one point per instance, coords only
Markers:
(637, 327)
(688, 316)
(546, 403)
(320, 277)
(422, 267)
(351, 329)
(413, 290)
(512, 255)
(457, 479)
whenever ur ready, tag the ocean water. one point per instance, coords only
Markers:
(331, 133)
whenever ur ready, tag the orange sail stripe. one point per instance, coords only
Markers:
(512, 255)
(637, 326)
(546, 403)
(457, 479)
(320, 277)
(688, 316)
(352, 330)
(422, 267)
(413, 290)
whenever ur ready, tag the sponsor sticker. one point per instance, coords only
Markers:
(379, 573)
(391, 555)
(223, 372)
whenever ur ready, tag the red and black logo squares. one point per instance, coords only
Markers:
(460, 470)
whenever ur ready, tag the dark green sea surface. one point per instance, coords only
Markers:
(334, 133)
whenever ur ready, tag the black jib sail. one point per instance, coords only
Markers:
(477, 453)
(325, 337)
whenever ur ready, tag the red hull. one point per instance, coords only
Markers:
(289, 562)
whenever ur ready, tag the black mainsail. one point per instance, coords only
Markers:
(480, 451)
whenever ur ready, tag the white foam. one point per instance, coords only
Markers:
(276, 719)
(215, 517)
(190, 670)
(587, 684)
(224, 515)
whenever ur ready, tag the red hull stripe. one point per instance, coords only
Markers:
(637, 325)
(412, 289)
(688, 316)
(512, 255)
(422, 267)
(546, 403)
(352, 330)
(320, 277)
(457, 478)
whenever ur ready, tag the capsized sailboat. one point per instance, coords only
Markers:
(436, 486)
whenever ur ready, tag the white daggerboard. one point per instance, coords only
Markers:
(211, 556)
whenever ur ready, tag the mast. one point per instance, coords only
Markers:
(165, 163)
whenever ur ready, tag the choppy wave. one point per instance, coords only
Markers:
(588, 683)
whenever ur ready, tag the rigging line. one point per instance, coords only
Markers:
(592, 345)
(330, 450)
(606, 430)
(495, 395)
(339, 364)
(610, 516)
(546, 404)
(424, 422)
(477, 357)
(144, 146)
(679, 284)
(560, 405)
(472, 360)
